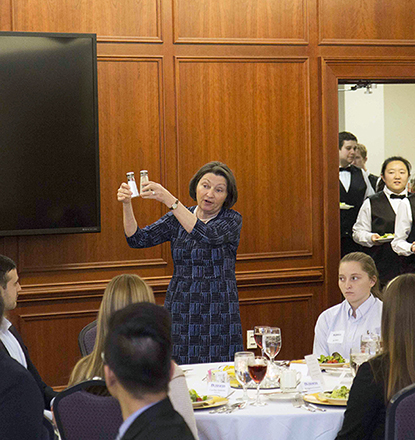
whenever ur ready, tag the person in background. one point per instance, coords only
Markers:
(379, 379)
(377, 217)
(137, 366)
(120, 292)
(10, 340)
(202, 296)
(360, 159)
(404, 242)
(340, 327)
(354, 188)
(21, 402)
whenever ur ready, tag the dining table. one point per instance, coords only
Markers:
(277, 420)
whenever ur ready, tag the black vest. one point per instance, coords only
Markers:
(383, 221)
(408, 263)
(354, 197)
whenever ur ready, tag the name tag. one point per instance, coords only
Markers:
(336, 337)
(312, 386)
(219, 389)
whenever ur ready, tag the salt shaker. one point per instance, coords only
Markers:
(143, 179)
(132, 184)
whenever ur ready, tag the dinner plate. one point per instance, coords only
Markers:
(346, 206)
(316, 398)
(210, 402)
(325, 365)
(331, 400)
(385, 239)
(279, 395)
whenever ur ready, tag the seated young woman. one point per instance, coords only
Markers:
(121, 291)
(379, 379)
(340, 327)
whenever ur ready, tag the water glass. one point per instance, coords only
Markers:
(241, 361)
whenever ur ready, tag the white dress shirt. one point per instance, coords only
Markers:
(403, 226)
(362, 229)
(345, 178)
(337, 329)
(11, 343)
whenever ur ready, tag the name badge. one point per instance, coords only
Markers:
(336, 337)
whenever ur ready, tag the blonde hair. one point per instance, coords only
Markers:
(368, 266)
(398, 333)
(362, 150)
(120, 292)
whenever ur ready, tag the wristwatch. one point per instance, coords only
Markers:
(175, 205)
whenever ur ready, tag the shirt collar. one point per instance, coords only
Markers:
(5, 324)
(388, 192)
(130, 419)
(362, 309)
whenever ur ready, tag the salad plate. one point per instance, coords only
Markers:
(345, 206)
(385, 238)
(210, 402)
(319, 400)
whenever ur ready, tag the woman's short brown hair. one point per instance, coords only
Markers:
(219, 169)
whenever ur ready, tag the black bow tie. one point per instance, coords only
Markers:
(345, 169)
(395, 196)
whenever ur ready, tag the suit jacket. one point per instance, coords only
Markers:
(159, 422)
(47, 392)
(21, 402)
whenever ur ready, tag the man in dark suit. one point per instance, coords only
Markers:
(11, 342)
(21, 402)
(138, 367)
(354, 188)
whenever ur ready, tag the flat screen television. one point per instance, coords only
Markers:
(49, 156)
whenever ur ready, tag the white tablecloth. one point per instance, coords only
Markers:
(278, 420)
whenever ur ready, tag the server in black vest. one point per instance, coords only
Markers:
(377, 218)
(360, 159)
(404, 241)
(11, 342)
(354, 188)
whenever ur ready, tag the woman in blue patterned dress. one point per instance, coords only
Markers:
(202, 296)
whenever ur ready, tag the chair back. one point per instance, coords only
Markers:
(86, 338)
(400, 415)
(48, 430)
(82, 414)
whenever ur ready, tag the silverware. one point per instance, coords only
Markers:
(235, 406)
(298, 402)
(317, 408)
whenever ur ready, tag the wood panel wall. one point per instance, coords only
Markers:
(253, 84)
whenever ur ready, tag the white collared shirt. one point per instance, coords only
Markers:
(337, 329)
(346, 178)
(11, 343)
(403, 226)
(362, 229)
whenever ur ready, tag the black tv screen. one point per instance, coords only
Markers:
(49, 159)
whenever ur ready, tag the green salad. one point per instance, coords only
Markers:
(194, 397)
(339, 393)
(335, 358)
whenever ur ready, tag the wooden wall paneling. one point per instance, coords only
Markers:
(122, 21)
(54, 333)
(334, 69)
(373, 22)
(6, 15)
(220, 22)
(253, 115)
(130, 96)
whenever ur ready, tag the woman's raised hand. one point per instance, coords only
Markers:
(124, 193)
(153, 190)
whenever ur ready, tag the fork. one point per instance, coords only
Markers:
(235, 406)
(298, 402)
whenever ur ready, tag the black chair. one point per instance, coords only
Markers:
(86, 412)
(86, 338)
(400, 415)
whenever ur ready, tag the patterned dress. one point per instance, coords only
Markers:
(202, 296)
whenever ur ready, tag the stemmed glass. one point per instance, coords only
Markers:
(241, 361)
(259, 330)
(370, 343)
(271, 341)
(257, 368)
(357, 358)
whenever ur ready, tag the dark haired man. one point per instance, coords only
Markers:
(10, 340)
(21, 402)
(138, 366)
(354, 188)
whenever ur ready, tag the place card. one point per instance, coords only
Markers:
(311, 386)
(221, 389)
(314, 370)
